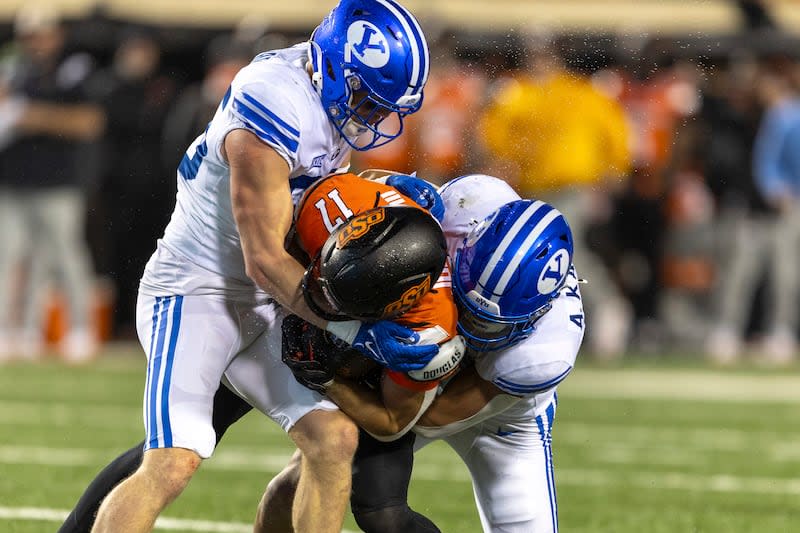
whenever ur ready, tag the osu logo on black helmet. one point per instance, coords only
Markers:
(377, 265)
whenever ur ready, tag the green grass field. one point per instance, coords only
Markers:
(653, 446)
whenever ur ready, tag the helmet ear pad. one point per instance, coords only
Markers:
(381, 262)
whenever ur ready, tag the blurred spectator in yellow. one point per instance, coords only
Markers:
(47, 119)
(776, 166)
(555, 136)
(136, 189)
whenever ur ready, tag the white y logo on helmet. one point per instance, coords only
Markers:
(368, 44)
(554, 272)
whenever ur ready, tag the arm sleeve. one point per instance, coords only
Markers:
(427, 400)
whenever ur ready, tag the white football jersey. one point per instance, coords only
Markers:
(273, 98)
(532, 368)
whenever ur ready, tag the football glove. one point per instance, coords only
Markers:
(419, 190)
(390, 344)
(309, 353)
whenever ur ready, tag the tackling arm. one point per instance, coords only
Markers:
(387, 414)
(263, 209)
(467, 400)
(390, 413)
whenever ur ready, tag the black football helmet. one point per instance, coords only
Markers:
(376, 265)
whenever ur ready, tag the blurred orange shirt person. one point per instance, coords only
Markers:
(656, 107)
(437, 138)
(445, 127)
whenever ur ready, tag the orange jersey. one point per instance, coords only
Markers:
(329, 203)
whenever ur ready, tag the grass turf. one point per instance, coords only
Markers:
(636, 450)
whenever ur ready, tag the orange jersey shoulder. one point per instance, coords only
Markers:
(332, 200)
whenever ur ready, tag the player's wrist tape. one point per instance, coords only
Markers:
(324, 386)
(346, 330)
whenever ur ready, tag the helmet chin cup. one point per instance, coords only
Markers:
(353, 128)
(316, 80)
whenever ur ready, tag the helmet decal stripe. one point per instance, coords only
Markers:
(506, 242)
(419, 47)
(522, 251)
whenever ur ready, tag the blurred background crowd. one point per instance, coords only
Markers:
(675, 157)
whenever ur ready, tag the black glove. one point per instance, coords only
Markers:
(308, 351)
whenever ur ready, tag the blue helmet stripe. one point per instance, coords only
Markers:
(512, 234)
(522, 251)
(419, 46)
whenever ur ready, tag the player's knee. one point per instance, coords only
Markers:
(393, 519)
(382, 520)
(327, 437)
(169, 470)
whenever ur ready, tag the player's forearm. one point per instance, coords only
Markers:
(280, 275)
(464, 397)
(367, 409)
(263, 210)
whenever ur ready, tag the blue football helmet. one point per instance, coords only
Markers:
(508, 271)
(370, 60)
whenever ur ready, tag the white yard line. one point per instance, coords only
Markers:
(40, 514)
(443, 468)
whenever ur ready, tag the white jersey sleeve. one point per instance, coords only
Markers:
(268, 110)
(544, 359)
